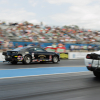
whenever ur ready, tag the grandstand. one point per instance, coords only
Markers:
(27, 32)
(35, 33)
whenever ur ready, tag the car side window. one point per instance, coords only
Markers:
(39, 49)
(31, 49)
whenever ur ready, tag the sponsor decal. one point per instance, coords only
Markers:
(42, 56)
(15, 56)
(89, 64)
(20, 58)
(35, 60)
(50, 57)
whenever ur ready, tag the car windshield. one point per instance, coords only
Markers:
(20, 48)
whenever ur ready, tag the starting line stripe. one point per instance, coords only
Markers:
(40, 71)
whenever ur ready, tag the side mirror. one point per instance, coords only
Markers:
(4, 53)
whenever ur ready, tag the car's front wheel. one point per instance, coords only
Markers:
(27, 60)
(97, 74)
(55, 59)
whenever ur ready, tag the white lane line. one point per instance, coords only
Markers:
(77, 73)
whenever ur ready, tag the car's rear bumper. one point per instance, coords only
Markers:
(93, 68)
(11, 59)
(14, 59)
(93, 63)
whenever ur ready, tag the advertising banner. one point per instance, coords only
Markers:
(60, 50)
(77, 55)
(63, 55)
(57, 49)
(50, 49)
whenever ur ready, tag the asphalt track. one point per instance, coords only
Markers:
(62, 63)
(70, 86)
(76, 85)
(8, 70)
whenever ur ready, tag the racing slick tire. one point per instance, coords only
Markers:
(27, 59)
(97, 74)
(55, 59)
(14, 62)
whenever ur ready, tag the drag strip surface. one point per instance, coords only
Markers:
(39, 71)
(79, 86)
(62, 63)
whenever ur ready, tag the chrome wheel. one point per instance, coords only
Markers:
(55, 59)
(28, 60)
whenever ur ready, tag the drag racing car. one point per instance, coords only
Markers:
(30, 54)
(92, 62)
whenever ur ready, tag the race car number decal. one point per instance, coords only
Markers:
(32, 55)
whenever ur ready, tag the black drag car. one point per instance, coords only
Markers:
(30, 54)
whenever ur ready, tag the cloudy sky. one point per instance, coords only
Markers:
(84, 13)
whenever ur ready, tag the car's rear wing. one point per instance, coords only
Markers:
(93, 56)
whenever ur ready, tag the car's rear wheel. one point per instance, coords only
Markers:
(27, 60)
(14, 62)
(97, 74)
(55, 59)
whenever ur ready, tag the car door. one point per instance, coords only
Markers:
(41, 53)
(33, 52)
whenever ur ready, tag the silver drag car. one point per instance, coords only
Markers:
(92, 62)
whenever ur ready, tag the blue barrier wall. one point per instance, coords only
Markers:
(49, 44)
